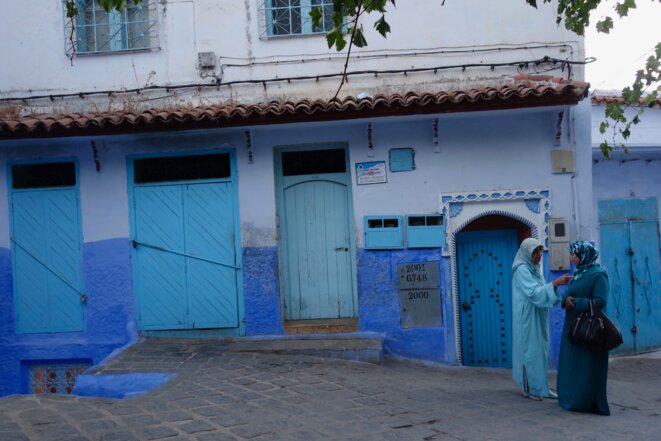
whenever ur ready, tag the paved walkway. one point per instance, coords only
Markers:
(221, 396)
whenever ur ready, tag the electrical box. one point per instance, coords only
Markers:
(562, 161)
(425, 231)
(559, 244)
(206, 60)
(383, 232)
(402, 160)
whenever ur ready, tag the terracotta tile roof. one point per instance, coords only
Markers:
(607, 99)
(522, 91)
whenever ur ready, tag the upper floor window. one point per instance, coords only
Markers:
(98, 31)
(292, 17)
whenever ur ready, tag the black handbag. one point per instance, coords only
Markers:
(594, 330)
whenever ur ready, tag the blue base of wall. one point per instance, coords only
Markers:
(379, 305)
(109, 315)
(261, 291)
(120, 385)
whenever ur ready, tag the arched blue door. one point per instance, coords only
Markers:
(484, 261)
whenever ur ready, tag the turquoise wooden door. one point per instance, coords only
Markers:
(185, 258)
(484, 262)
(629, 236)
(316, 245)
(47, 256)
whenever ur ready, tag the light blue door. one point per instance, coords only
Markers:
(185, 256)
(47, 255)
(629, 236)
(316, 246)
(484, 261)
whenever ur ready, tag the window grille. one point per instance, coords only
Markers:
(98, 31)
(281, 18)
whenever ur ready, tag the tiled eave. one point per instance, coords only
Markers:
(523, 92)
(602, 100)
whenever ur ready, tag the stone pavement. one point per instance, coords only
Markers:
(223, 396)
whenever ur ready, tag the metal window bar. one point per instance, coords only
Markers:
(278, 20)
(135, 28)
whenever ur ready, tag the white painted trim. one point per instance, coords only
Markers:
(469, 206)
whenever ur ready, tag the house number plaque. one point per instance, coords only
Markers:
(419, 294)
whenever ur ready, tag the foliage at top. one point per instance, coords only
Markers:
(574, 14)
(641, 94)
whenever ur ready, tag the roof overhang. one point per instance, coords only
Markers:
(521, 91)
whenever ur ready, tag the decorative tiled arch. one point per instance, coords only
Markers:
(530, 207)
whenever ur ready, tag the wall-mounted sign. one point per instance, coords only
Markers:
(371, 172)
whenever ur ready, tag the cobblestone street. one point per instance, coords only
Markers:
(221, 396)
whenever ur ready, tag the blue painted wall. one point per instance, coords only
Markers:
(379, 310)
(261, 291)
(109, 315)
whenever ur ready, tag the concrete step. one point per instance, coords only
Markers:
(362, 346)
(324, 326)
(355, 347)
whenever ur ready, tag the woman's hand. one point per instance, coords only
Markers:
(562, 280)
(569, 302)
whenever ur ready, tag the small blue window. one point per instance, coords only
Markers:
(402, 160)
(98, 31)
(292, 17)
(425, 231)
(384, 232)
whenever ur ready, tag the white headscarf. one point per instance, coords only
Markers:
(524, 257)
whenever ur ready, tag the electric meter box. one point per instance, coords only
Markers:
(383, 232)
(425, 231)
(559, 244)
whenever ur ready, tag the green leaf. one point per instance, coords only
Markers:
(625, 133)
(603, 126)
(382, 26)
(72, 10)
(359, 38)
(532, 3)
(317, 16)
(622, 9)
(606, 149)
(336, 38)
(613, 111)
(604, 26)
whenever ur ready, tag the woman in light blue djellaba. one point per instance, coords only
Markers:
(532, 298)
(582, 374)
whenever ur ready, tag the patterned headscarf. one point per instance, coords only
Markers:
(587, 255)
(524, 257)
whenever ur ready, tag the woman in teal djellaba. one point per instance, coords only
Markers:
(582, 374)
(532, 298)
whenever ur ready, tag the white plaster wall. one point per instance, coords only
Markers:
(478, 152)
(636, 174)
(231, 29)
(646, 135)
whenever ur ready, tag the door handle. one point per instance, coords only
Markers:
(341, 249)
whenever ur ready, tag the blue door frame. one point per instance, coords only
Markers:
(484, 261)
(197, 261)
